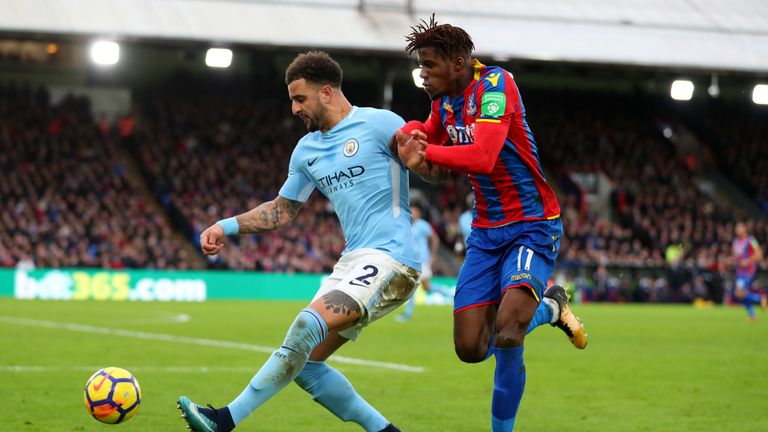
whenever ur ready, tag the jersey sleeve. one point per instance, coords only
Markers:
(384, 126)
(298, 186)
(498, 98)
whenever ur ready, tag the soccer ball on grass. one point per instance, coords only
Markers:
(112, 395)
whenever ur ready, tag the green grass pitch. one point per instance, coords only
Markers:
(647, 368)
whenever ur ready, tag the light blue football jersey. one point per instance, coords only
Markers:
(353, 166)
(422, 231)
(465, 224)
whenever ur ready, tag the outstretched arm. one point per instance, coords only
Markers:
(268, 216)
(476, 158)
(411, 140)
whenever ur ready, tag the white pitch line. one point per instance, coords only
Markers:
(192, 341)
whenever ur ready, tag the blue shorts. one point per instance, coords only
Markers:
(518, 255)
(744, 281)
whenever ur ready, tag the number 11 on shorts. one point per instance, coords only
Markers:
(529, 257)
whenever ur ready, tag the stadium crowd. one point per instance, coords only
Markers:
(208, 157)
(659, 218)
(67, 200)
(738, 137)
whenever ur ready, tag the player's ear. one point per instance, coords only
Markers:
(326, 94)
(459, 63)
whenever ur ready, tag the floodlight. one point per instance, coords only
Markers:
(681, 90)
(105, 52)
(218, 57)
(417, 81)
(760, 94)
(714, 87)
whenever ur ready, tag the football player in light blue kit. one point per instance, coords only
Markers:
(465, 219)
(348, 156)
(427, 243)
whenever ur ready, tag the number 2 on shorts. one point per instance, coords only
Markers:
(363, 280)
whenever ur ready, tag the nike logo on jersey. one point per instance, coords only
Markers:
(310, 163)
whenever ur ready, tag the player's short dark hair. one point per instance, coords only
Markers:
(316, 67)
(449, 41)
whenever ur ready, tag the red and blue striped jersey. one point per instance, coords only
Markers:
(744, 249)
(512, 189)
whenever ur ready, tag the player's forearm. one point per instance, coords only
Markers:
(476, 158)
(431, 173)
(268, 216)
(468, 159)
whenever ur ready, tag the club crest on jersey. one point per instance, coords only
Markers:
(471, 107)
(350, 147)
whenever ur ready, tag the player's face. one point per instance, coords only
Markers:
(439, 74)
(306, 103)
(741, 230)
(416, 212)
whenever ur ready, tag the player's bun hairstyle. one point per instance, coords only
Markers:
(316, 67)
(447, 40)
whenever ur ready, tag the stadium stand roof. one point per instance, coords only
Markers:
(709, 34)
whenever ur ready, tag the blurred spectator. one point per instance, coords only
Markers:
(67, 198)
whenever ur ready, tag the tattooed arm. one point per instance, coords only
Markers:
(268, 216)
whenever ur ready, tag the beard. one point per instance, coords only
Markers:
(313, 123)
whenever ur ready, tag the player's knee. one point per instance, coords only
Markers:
(471, 352)
(511, 335)
(307, 331)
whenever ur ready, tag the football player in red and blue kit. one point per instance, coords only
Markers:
(747, 253)
(501, 293)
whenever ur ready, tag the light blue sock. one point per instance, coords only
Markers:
(409, 307)
(508, 387)
(306, 332)
(332, 390)
(542, 316)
